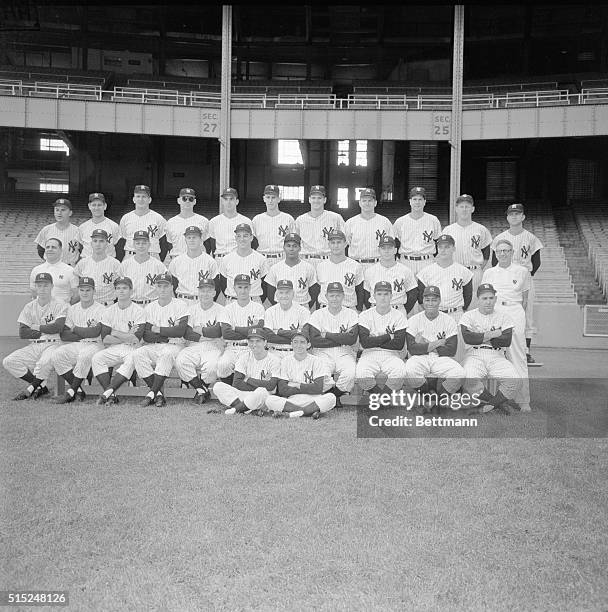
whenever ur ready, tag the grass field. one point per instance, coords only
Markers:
(173, 509)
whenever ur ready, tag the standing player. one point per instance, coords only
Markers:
(343, 269)
(315, 226)
(526, 252)
(283, 319)
(455, 283)
(41, 321)
(432, 339)
(301, 383)
(142, 269)
(333, 334)
(98, 221)
(222, 227)
(256, 373)
(122, 328)
(512, 284)
(187, 218)
(238, 318)
(382, 338)
(472, 239)
(99, 266)
(142, 219)
(65, 281)
(365, 231)
(205, 344)
(487, 333)
(405, 285)
(301, 273)
(417, 232)
(82, 332)
(271, 227)
(243, 260)
(193, 266)
(67, 233)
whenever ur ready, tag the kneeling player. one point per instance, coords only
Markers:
(487, 333)
(300, 386)
(255, 375)
(432, 338)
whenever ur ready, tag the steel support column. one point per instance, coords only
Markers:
(456, 121)
(225, 97)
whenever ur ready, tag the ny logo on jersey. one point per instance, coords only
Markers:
(294, 326)
(457, 283)
(264, 375)
(440, 335)
(131, 325)
(301, 283)
(73, 246)
(203, 275)
(283, 230)
(349, 280)
(390, 329)
(327, 231)
(308, 379)
(525, 250)
(109, 237)
(475, 240)
(427, 236)
(171, 321)
(61, 276)
(398, 284)
(150, 279)
(209, 323)
(380, 234)
(49, 317)
(255, 274)
(107, 278)
(152, 230)
(91, 322)
(251, 321)
(343, 329)
(514, 281)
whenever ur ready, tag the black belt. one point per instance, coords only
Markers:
(109, 303)
(448, 310)
(491, 348)
(144, 302)
(40, 340)
(186, 296)
(282, 348)
(473, 267)
(309, 256)
(220, 254)
(273, 255)
(416, 257)
(511, 304)
(368, 260)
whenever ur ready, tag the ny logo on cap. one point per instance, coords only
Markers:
(457, 283)
(427, 236)
(308, 379)
(475, 240)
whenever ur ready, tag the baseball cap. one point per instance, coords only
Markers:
(256, 332)
(123, 280)
(141, 189)
(431, 290)
(243, 227)
(465, 197)
(383, 286)
(86, 281)
(485, 288)
(99, 233)
(368, 192)
(337, 234)
(285, 284)
(271, 190)
(446, 239)
(334, 288)
(165, 277)
(230, 192)
(242, 279)
(193, 229)
(141, 234)
(318, 189)
(417, 191)
(302, 333)
(187, 191)
(97, 196)
(63, 202)
(206, 282)
(515, 208)
(43, 277)
(293, 237)
(386, 240)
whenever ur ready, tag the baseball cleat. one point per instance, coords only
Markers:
(259, 412)
(80, 395)
(113, 399)
(147, 401)
(22, 396)
(316, 415)
(532, 363)
(66, 398)
(230, 411)
(201, 398)
(280, 415)
(101, 400)
(160, 401)
(39, 392)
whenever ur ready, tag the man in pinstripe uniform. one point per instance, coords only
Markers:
(221, 227)
(62, 229)
(176, 226)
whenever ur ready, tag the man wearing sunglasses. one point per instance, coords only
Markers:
(176, 226)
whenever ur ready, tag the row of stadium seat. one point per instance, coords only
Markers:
(593, 222)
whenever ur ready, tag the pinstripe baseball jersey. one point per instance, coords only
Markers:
(190, 270)
(480, 324)
(152, 222)
(524, 244)
(86, 229)
(262, 369)
(399, 276)
(64, 279)
(363, 235)
(254, 265)
(277, 318)
(103, 272)
(450, 281)
(206, 318)
(167, 315)
(70, 239)
(315, 231)
(417, 236)
(236, 315)
(338, 323)
(304, 371)
(378, 325)
(221, 229)
(77, 316)
(348, 272)
(124, 320)
(176, 226)
(470, 240)
(270, 231)
(35, 314)
(302, 275)
(441, 327)
(510, 283)
(143, 275)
